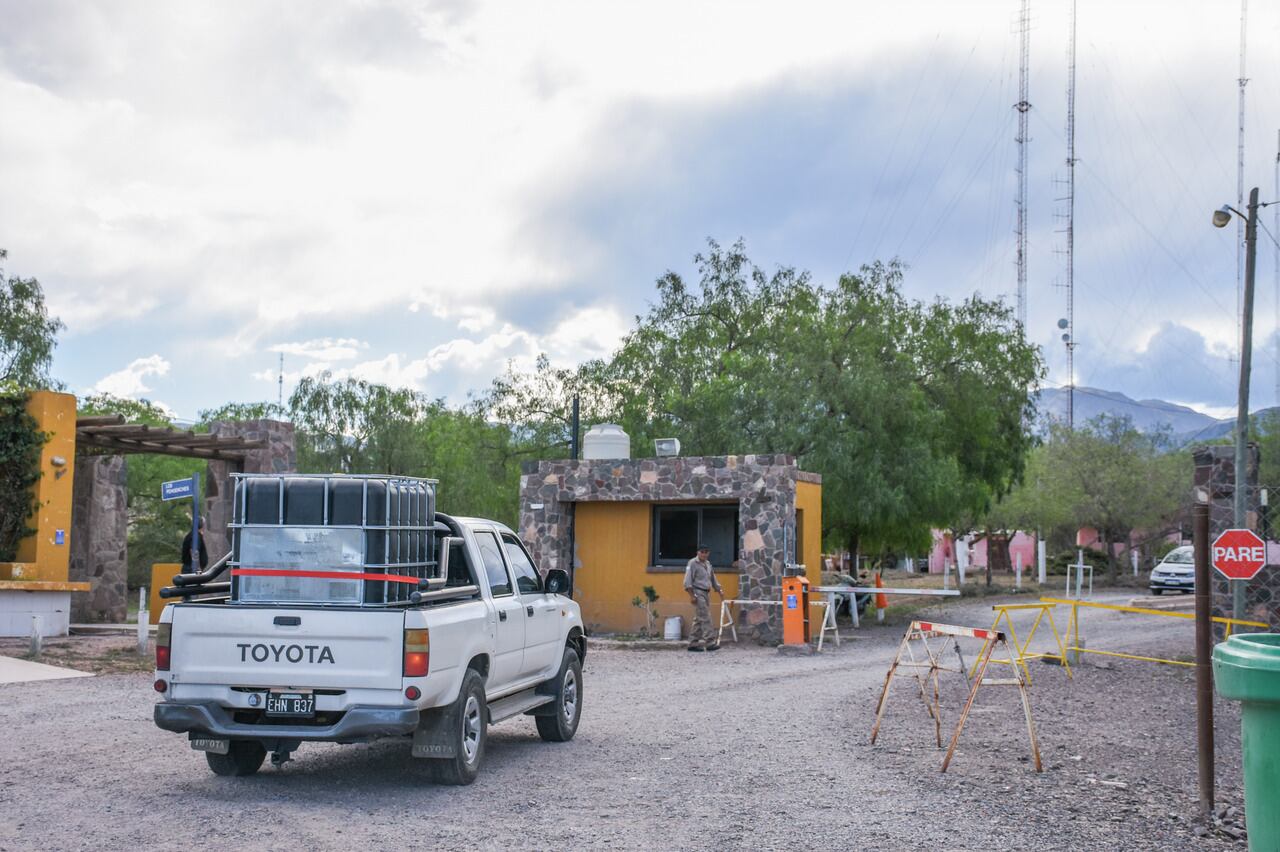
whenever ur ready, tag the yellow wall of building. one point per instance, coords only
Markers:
(162, 574)
(614, 542)
(809, 502)
(43, 556)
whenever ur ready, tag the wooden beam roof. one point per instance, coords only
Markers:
(113, 434)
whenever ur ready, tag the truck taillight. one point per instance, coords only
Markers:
(417, 653)
(163, 632)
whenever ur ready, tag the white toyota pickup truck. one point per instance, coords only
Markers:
(355, 612)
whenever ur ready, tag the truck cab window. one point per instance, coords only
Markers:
(494, 568)
(527, 578)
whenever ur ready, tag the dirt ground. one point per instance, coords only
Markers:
(743, 748)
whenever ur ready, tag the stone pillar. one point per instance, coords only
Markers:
(279, 456)
(99, 539)
(1215, 470)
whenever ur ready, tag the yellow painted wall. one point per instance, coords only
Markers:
(809, 501)
(161, 575)
(41, 556)
(614, 542)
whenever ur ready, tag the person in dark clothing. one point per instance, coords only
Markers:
(187, 553)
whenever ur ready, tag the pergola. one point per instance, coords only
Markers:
(112, 434)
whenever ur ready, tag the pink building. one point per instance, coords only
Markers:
(944, 551)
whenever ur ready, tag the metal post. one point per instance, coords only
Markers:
(1204, 643)
(1017, 571)
(196, 567)
(1242, 402)
(574, 425)
(1041, 567)
(143, 621)
(37, 640)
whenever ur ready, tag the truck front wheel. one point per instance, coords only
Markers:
(243, 758)
(560, 726)
(471, 731)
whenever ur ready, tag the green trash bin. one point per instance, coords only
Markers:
(1246, 668)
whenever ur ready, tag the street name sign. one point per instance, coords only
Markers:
(178, 489)
(1238, 554)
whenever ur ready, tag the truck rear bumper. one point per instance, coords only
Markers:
(357, 724)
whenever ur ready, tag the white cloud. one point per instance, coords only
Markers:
(323, 349)
(130, 382)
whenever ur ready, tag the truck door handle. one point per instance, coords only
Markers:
(529, 610)
(502, 615)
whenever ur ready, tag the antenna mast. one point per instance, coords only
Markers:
(1070, 335)
(1242, 81)
(1023, 106)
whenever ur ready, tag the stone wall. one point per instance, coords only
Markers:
(763, 485)
(99, 539)
(1215, 470)
(279, 456)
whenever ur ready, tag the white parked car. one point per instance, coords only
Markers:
(1176, 572)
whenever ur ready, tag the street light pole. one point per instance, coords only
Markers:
(1242, 402)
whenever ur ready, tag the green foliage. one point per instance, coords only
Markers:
(646, 604)
(913, 413)
(27, 333)
(236, 411)
(20, 443)
(1105, 474)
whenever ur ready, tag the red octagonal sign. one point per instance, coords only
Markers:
(1239, 554)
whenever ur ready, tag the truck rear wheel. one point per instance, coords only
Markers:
(560, 726)
(471, 731)
(243, 758)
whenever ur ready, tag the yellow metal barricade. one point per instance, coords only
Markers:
(1044, 612)
(1073, 628)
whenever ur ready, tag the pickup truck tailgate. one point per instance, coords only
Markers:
(315, 648)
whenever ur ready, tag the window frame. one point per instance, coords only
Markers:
(672, 563)
(537, 575)
(502, 555)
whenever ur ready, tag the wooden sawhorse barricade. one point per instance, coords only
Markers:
(923, 631)
(727, 622)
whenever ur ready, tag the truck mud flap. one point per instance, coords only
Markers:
(434, 737)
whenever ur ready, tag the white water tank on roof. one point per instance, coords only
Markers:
(606, 441)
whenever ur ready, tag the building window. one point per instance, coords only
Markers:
(679, 529)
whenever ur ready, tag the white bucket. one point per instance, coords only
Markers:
(672, 627)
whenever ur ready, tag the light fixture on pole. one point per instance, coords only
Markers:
(1221, 217)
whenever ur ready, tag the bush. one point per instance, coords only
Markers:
(20, 443)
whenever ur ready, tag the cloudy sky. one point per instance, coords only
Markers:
(418, 192)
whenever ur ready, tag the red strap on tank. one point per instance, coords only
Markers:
(323, 575)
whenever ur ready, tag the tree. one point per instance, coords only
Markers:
(1105, 474)
(27, 333)
(874, 391)
(354, 426)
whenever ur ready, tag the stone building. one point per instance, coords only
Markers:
(636, 522)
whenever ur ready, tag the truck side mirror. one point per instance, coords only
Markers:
(557, 582)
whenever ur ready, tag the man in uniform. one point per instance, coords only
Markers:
(699, 580)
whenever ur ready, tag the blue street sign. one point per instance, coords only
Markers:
(178, 489)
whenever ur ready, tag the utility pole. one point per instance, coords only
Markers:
(1023, 106)
(1275, 218)
(280, 383)
(1242, 405)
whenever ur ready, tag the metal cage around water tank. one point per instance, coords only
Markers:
(354, 540)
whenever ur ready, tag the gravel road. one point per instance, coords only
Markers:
(741, 748)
